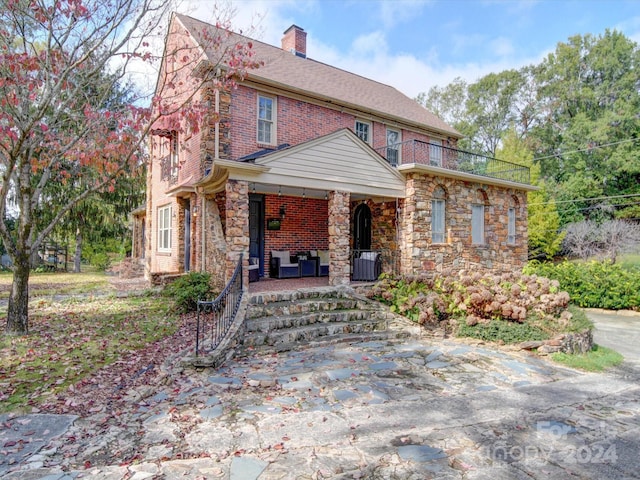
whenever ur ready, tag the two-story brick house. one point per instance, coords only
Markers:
(306, 157)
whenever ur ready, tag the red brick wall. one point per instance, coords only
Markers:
(297, 122)
(303, 228)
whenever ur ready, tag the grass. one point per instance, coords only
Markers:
(630, 262)
(70, 339)
(57, 283)
(597, 360)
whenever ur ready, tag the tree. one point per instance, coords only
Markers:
(545, 237)
(609, 239)
(588, 135)
(490, 108)
(54, 142)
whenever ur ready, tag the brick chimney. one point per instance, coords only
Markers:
(295, 41)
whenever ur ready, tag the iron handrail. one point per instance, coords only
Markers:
(223, 311)
(432, 154)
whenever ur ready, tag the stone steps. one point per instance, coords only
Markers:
(303, 306)
(282, 321)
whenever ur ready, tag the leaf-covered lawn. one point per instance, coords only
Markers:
(74, 342)
(57, 283)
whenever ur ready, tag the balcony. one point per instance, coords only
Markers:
(425, 153)
(168, 170)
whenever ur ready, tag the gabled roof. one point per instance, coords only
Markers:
(311, 78)
(336, 161)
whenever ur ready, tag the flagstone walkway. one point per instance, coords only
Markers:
(413, 409)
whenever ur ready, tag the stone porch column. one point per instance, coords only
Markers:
(339, 233)
(237, 211)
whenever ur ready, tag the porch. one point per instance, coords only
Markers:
(365, 266)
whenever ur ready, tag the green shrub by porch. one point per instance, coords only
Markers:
(188, 289)
(593, 284)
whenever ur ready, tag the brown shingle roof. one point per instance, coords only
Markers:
(309, 77)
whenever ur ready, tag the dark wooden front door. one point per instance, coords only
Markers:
(187, 237)
(256, 228)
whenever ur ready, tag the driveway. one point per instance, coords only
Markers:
(619, 331)
(413, 408)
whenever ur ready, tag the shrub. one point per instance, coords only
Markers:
(188, 289)
(594, 284)
(502, 331)
(509, 307)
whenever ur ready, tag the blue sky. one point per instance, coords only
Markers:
(416, 44)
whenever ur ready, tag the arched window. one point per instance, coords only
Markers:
(438, 223)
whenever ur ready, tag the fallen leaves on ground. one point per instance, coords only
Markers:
(80, 354)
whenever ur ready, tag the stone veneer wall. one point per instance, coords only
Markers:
(237, 228)
(420, 255)
(339, 238)
(216, 245)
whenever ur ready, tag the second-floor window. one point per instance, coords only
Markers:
(363, 130)
(393, 146)
(266, 119)
(173, 154)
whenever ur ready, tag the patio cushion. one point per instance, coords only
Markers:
(324, 257)
(369, 255)
(283, 255)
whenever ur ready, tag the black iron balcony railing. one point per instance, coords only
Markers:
(425, 153)
(168, 169)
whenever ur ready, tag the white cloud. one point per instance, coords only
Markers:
(373, 43)
(501, 47)
(393, 13)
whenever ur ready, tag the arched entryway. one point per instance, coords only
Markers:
(362, 227)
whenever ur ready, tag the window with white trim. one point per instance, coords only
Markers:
(173, 153)
(435, 153)
(477, 224)
(363, 130)
(266, 120)
(438, 216)
(164, 229)
(511, 226)
(393, 146)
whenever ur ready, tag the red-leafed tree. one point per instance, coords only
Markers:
(61, 138)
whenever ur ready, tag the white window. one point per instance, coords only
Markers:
(362, 130)
(393, 147)
(477, 224)
(266, 119)
(173, 153)
(437, 220)
(164, 229)
(435, 153)
(511, 226)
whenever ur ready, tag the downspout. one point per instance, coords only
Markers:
(216, 148)
(203, 220)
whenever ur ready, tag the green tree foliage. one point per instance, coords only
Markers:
(545, 237)
(577, 111)
(589, 135)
